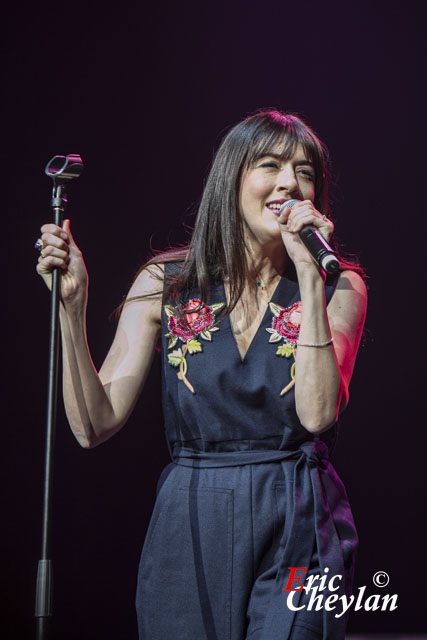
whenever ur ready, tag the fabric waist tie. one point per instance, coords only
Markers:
(196, 459)
(317, 512)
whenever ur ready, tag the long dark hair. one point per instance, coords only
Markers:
(217, 249)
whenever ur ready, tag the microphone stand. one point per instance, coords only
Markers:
(61, 169)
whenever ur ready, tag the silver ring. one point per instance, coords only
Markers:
(324, 218)
(39, 245)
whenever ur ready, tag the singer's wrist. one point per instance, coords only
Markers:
(312, 291)
(75, 310)
(309, 273)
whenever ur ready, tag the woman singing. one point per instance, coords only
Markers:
(258, 348)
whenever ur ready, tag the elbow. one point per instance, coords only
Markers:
(92, 437)
(86, 435)
(322, 419)
(87, 442)
(81, 428)
(91, 441)
(317, 422)
(90, 434)
(318, 426)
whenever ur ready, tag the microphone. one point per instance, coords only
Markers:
(315, 243)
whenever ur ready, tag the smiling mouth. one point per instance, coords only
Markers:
(275, 205)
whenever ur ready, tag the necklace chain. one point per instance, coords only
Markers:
(261, 284)
(267, 287)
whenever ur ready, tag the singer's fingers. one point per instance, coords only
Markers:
(325, 228)
(54, 230)
(318, 221)
(284, 216)
(325, 225)
(51, 239)
(297, 222)
(299, 208)
(67, 230)
(305, 213)
(50, 250)
(47, 263)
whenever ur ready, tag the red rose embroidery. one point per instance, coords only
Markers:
(198, 320)
(286, 322)
(285, 326)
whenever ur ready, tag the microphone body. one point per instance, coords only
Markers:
(316, 244)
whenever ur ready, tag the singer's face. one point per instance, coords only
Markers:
(268, 184)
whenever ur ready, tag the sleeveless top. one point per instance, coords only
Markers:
(236, 404)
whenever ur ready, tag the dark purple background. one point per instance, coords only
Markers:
(144, 94)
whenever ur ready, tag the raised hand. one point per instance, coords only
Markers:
(292, 221)
(59, 250)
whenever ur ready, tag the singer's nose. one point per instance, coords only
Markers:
(287, 181)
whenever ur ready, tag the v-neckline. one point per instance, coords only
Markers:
(267, 310)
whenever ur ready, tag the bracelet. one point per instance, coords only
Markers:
(312, 344)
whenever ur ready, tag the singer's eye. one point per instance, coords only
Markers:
(306, 173)
(270, 165)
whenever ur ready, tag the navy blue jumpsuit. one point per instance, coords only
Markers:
(249, 493)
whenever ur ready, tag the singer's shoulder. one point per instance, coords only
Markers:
(350, 280)
(149, 281)
(350, 297)
(143, 302)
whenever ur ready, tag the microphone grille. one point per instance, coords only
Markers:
(288, 203)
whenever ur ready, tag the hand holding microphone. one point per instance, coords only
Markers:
(315, 243)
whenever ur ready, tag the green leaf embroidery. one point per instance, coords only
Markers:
(285, 350)
(172, 340)
(194, 346)
(275, 337)
(276, 309)
(217, 307)
(175, 357)
(169, 310)
(205, 335)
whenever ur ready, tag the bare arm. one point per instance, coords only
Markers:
(322, 374)
(98, 405)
